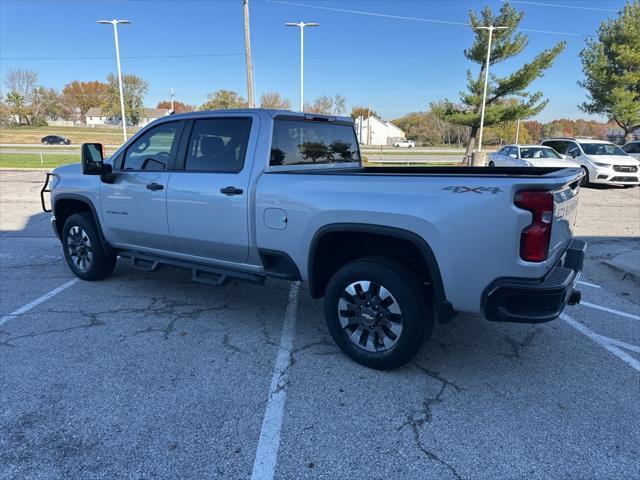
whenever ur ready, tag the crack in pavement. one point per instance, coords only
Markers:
(518, 346)
(424, 416)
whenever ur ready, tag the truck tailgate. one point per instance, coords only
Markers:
(564, 217)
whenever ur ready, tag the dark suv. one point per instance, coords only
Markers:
(55, 140)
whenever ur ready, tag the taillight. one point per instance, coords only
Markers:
(535, 238)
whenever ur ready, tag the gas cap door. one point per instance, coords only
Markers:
(275, 218)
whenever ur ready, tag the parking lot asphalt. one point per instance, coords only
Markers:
(148, 375)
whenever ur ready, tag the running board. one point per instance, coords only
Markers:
(215, 276)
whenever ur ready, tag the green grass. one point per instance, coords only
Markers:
(31, 160)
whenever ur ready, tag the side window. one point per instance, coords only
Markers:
(632, 148)
(512, 152)
(573, 150)
(154, 149)
(218, 144)
(298, 142)
(503, 151)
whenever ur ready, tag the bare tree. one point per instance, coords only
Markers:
(21, 81)
(274, 100)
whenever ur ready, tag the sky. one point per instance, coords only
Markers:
(397, 55)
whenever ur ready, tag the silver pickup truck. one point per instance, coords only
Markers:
(256, 193)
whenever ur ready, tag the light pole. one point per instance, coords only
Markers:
(491, 28)
(115, 23)
(301, 25)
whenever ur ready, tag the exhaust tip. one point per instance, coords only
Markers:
(575, 297)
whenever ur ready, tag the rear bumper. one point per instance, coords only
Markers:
(537, 300)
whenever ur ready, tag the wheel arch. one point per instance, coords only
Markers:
(68, 204)
(319, 271)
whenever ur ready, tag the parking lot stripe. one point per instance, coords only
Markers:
(603, 341)
(264, 465)
(593, 285)
(38, 301)
(610, 310)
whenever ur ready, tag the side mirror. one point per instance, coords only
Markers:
(92, 158)
(562, 156)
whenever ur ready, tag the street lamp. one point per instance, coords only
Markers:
(491, 28)
(301, 25)
(115, 23)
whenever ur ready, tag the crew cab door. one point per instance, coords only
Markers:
(134, 208)
(208, 193)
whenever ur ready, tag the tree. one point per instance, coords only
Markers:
(45, 103)
(507, 98)
(21, 85)
(223, 100)
(327, 105)
(134, 90)
(178, 107)
(611, 66)
(274, 100)
(79, 97)
(363, 112)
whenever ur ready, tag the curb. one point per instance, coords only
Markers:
(626, 274)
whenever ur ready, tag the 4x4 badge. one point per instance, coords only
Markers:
(459, 189)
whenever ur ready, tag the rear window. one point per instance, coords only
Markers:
(297, 142)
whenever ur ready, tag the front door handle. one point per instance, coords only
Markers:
(155, 186)
(231, 191)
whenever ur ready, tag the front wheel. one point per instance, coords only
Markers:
(83, 250)
(584, 181)
(492, 164)
(377, 312)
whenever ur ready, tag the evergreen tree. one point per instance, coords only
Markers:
(507, 98)
(612, 69)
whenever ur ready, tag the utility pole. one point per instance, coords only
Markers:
(247, 54)
(490, 28)
(301, 25)
(369, 124)
(115, 23)
(517, 131)
(172, 109)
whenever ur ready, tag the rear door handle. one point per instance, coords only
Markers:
(231, 191)
(155, 186)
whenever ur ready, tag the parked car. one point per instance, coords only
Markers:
(633, 149)
(55, 140)
(602, 162)
(529, 156)
(258, 193)
(404, 144)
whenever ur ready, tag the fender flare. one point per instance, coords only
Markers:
(442, 306)
(79, 198)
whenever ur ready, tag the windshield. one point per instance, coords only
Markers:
(601, 149)
(538, 152)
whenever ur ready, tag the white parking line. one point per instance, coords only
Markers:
(593, 285)
(38, 301)
(605, 342)
(610, 310)
(264, 465)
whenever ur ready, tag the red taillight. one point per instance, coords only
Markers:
(535, 238)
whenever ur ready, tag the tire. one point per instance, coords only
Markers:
(584, 181)
(399, 302)
(83, 250)
(491, 164)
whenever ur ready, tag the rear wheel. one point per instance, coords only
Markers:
(83, 250)
(584, 181)
(377, 312)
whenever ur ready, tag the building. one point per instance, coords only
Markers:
(616, 135)
(375, 131)
(95, 118)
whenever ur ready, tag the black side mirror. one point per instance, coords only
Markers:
(92, 158)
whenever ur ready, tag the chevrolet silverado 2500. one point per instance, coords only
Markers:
(256, 193)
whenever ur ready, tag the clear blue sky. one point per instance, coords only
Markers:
(399, 65)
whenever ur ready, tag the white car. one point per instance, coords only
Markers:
(529, 156)
(404, 144)
(633, 149)
(603, 162)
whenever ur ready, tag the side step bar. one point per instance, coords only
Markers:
(215, 276)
